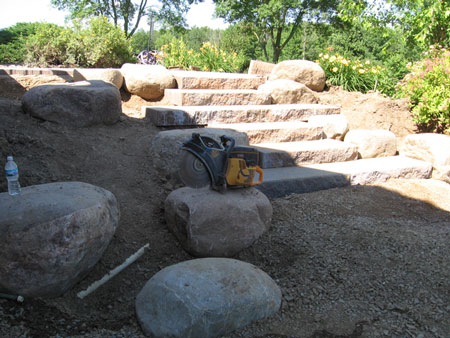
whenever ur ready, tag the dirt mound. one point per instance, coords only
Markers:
(356, 261)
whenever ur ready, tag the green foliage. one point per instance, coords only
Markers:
(355, 75)
(428, 86)
(100, 44)
(139, 41)
(208, 58)
(12, 42)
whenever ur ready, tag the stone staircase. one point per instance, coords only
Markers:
(295, 153)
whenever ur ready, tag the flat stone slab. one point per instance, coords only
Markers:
(52, 235)
(204, 298)
(286, 154)
(264, 132)
(216, 97)
(215, 80)
(166, 116)
(308, 178)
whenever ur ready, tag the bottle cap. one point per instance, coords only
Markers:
(9, 158)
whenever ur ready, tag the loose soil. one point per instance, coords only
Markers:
(360, 261)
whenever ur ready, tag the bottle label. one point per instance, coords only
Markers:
(12, 172)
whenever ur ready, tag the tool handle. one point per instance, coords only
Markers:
(225, 139)
(260, 176)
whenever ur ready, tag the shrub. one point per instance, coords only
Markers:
(355, 75)
(428, 86)
(12, 42)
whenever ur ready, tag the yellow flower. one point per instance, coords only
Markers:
(326, 56)
(361, 71)
(345, 62)
(333, 58)
(320, 55)
(354, 67)
(367, 62)
(335, 69)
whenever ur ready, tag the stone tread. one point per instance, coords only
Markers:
(280, 182)
(259, 132)
(208, 97)
(286, 154)
(216, 80)
(35, 71)
(193, 115)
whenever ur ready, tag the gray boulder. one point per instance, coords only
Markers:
(432, 148)
(78, 104)
(166, 147)
(111, 75)
(52, 235)
(373, 143)
(147, 81)
(307, 72)
(206, 297)
(208, 223)
(284, 91)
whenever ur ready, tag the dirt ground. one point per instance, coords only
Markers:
(360, 261)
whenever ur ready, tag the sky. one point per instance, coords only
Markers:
(13, 11)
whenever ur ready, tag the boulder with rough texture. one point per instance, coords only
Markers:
(284, 91)
(166, 147)
(78, 104)
(208, 223)
(147, 81)
(307, 72)
(52, 235)
(373, 143)
(432, 148)
(110, 75)
(333, 126)
(260, 67)
(204, 298)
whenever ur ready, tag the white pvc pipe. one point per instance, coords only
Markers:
(94, 286)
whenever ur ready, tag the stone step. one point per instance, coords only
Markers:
(169, 116)
(280, 182)
(35, 71)
(216, 97)
(215, 80)
(264, 132)
(287, 154)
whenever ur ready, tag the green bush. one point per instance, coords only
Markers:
(99, 45)
(355, 75)
(428, 86)
(12, 42)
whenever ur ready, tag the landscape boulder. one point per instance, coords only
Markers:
(373, 143)
(147, 81)
(110, 75)
(432, 148)
(307, 72)
(78, 104)
(284, 91)
(205, 298)
(166, 147)
(52, 235)
(334, 126)
(212, 224)
(261, 68)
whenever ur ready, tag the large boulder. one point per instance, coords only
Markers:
(307, 72)
(284, 91)
(78, 104)
(206, 297)
(166, 147)
(432, 148)
(333, 126)
(373, 143)
(261, 68)
(110, 75)
(52, 235)
(208, 223)
(147, 81)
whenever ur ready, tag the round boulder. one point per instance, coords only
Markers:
(373, 143)
(111, 75)
(147, 81)
(284, 91)
(307, 72)
(52, 235)
(206, 297)
(78, 104)
(212, 224)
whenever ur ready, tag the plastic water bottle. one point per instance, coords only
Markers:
(12, 175)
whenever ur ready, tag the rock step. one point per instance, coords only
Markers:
(287, 154)
(169, 116)
(216, 97)
(263, 132)
(35, 71)
(215, 80)
(280, 182)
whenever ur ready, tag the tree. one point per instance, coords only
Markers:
(270, 20)
(127, 12)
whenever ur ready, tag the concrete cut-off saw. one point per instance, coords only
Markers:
(206, 162)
